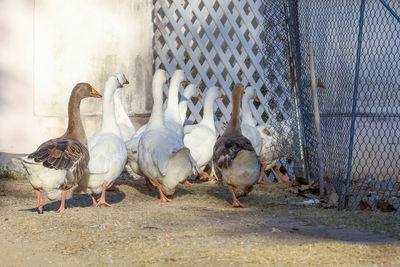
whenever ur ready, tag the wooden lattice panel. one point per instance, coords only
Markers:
(221, 43)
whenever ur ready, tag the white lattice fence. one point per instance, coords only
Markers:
(218, 43)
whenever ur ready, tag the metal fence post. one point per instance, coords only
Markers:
(292, 18)
(354, 108)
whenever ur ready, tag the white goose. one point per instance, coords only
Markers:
(162, 156)
(248, 125)
(124, 122)
(273, 150)
(173, 121)
(107, 151)
(264, 142)
(189, 92)
(200, 138)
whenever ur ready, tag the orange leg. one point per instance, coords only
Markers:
(163, 198)
(204, 175)
(281, 175)
(114, 188)
(236, 202)
(102, 200)
(149, 185)
(62, 205)
(93, 200)
(260, 180)
(39, 200)
(186, 182)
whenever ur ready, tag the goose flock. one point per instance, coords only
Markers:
(166, 151)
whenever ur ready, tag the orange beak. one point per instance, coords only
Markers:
(257, 99)
(94, 93)
(126, 82)
(199, 96)
(223, 96)
(187, 81)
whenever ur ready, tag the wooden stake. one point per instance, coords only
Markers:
(317, 121)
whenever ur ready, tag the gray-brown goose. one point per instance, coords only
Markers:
(235, 161)
(58, 164)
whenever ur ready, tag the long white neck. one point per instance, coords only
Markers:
(208, 111)
(156, 118)
(247, 116)
(172, 109)
(109, 123)
(183, 108)
(121, 116)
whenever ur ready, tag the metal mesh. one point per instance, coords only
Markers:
(369, 169)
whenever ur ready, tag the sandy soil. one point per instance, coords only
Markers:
(199, 228)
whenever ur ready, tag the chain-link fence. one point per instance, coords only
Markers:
(356, 54)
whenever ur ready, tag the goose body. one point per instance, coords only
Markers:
(107, 150)
(200, 138)
(171, 116)
(248, 125)
(162, 156)
(274, 147)
(235, 161)
(58, 164)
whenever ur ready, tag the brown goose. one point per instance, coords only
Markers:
(236, 163)
(59, 163)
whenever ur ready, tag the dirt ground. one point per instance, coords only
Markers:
(199, 228)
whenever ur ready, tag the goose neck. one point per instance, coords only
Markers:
(75, 128)
(233, 124)
(156, 118)
(109, 122)
(246, 111)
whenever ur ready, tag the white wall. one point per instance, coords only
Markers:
(47, 46)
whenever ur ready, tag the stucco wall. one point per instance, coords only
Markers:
(47, 46)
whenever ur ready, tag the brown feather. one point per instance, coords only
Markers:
(63, 154)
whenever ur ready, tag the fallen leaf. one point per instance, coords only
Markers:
(301, 180)
(364, 205)
(333, 199)
(385, 206)
(320, 84)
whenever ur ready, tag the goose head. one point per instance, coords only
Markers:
(121, 78)
(251, 93)
(192, 90)
(178, 77)
(112, 84)
(213, 93)
(84, 90)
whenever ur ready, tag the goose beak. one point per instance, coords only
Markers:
(94, 93)
(167, 82)
(223, 96)
(256, 99)
(187, 81)
(199, 96)
(126, 82)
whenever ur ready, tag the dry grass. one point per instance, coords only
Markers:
(199, 228)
